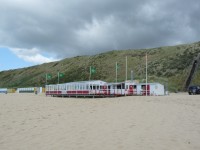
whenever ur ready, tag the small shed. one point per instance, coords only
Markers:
(154, 89)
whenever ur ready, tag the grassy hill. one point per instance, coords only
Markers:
(167, 65)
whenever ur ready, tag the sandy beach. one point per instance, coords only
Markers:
(36, 122)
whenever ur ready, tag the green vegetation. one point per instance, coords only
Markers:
(167, 65)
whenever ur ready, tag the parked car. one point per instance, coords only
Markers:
(193, 90)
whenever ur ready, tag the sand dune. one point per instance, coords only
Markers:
(36, 122)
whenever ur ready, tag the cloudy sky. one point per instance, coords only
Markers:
(37, 31)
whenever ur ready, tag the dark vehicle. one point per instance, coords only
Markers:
(193, 90)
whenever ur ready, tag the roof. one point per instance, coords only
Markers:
(84, 82)
(149, 83)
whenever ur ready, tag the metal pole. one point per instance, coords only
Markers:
(90, 73)
(58, 77)
(89, 80)
(146, 74)
(131, 75)
(116, 72)
(46, 78)
(126, 68)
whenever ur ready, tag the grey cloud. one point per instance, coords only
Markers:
(71, 28)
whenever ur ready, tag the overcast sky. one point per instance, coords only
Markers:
(40, 31)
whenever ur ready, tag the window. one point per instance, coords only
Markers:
(119, 86)
(123, 85)
(143, 87)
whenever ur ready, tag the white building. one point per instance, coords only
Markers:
(30, 90)
(102, 88)
(154, 89)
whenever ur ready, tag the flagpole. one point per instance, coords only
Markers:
(46, 78)
(58, 77)
(90, 73)
(131, 75)
(89, 78)
(126, 76)
(146, 74)
(126, 68)
(116, 72)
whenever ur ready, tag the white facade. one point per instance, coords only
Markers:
(80, 87)
(155, 89)
(98, 87)
(25, 90)
(29, 90)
